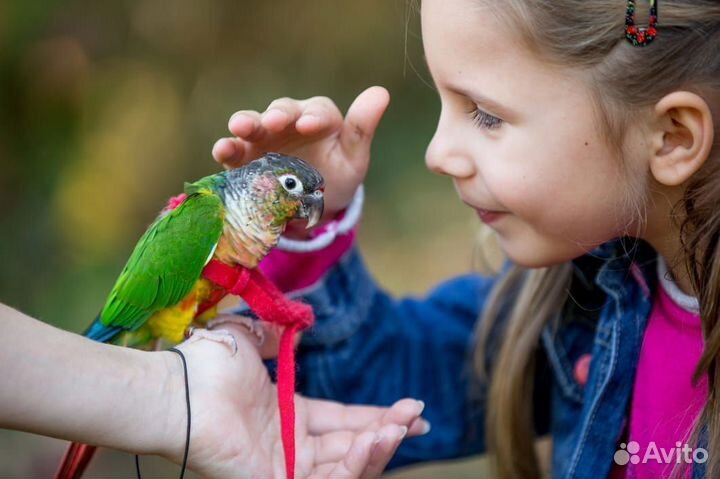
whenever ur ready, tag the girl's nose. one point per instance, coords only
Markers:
(444, 161)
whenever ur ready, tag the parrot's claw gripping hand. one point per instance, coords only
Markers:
(255, 327)
(193, 334)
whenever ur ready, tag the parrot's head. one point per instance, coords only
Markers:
(281, 186)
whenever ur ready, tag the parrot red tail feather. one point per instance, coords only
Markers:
(75, 461)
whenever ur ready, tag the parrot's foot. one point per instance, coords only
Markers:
(253, 326)
(193, 334)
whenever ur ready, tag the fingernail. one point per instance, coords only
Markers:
(421, 407)
(274, 111)
(215, 152)
(236, 116)
(403, 431)
(377, 440)
(308, 119)
(309, 116)
(425, 427)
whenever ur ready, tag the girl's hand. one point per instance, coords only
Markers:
(236, 425)
(314, 130)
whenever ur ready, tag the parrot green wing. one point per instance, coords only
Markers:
(167, 261)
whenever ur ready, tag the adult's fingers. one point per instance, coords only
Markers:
(270, 346)
(326, 416)
(352, 464)
(331, 447)
(359, 459)
(403, 412)
(383, 451)
(419, 427)
(406, 412)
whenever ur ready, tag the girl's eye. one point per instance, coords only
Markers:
(485, 120)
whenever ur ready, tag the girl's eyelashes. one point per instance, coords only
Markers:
(484, 120)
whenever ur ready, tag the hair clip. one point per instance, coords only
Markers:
(640, 36)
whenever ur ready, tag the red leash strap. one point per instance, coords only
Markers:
(231, 279)
(271, 305)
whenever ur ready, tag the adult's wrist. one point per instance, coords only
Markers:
(166, 369)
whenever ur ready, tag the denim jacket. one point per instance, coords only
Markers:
(368, 347)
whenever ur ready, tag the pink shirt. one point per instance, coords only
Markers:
(296, 271)
(665, 405)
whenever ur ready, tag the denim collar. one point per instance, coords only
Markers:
(608, 266)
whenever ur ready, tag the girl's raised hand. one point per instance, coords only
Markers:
(314, 130)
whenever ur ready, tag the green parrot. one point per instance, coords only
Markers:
(234, 217)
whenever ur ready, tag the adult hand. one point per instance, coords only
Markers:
(236, 424)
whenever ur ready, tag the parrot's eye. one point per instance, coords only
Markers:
(292, 184)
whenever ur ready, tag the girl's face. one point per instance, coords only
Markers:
(520, 138)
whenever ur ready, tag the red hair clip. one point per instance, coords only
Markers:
(640, 36)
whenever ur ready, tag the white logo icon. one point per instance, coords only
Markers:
(629, 453)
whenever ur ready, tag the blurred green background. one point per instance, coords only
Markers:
(107, 107)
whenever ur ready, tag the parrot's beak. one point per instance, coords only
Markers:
(311, 208)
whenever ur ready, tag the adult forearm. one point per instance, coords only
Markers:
(63, 385)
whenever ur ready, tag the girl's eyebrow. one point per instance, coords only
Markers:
(491, 105)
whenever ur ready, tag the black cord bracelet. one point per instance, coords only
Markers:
(187, 434)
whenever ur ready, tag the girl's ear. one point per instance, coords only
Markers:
(681, 137)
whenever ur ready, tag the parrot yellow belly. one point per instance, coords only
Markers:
(171, 323)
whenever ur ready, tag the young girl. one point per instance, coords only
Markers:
(593, 160)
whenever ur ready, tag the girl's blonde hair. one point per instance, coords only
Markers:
(624, 82)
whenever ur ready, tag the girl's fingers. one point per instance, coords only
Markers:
(310, 117)
(285, 120)
(223, 150)
(361, 121)
(245, 124)
(229, 151)
(319, 116)
(280, 114)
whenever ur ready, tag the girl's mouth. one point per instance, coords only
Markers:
(487, 216)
